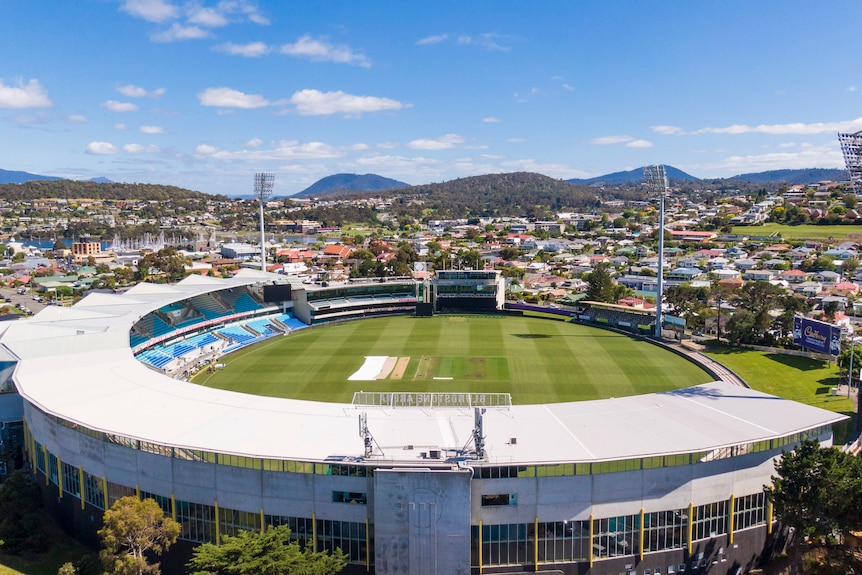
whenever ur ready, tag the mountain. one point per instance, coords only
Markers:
(632, 176)
(805, 176)
(354, 182)
(101, 180)
(13, 177)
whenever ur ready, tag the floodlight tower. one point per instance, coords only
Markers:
(263, 182)
(657, 181)
(851, 147)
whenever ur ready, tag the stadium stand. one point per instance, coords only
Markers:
(209, 306)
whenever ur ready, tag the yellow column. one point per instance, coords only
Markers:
(105, 491)
(173, 507)
(591, 540)
(690, 525)
(769, 516)
(81, 485)
(641, 540)
(536, 540)
(367, 547)
(480, 546)
(313, 533)
(137, 491)
(60, 478)
(730, 525)
(47, 465)
(217, 526)
(262, 522)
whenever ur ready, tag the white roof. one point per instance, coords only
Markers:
(76, 364)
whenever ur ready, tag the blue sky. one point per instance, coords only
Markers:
(202, 94)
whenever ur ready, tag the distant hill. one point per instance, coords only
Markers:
(13, 177)
(74, 189)
(101, 180)
(342, 183)
(632, 176)
(804, 176)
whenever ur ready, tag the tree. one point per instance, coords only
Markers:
(133, 528)
(600, 285)
(816, 492)
(268, 553)
(20, 514)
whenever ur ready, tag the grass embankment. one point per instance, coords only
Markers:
(803, 231)
(801, 379)
(536, 360)
(62, 549)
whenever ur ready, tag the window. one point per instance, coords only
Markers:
(197, 522)
(504, 544)
(349, 497)
(615, 536)
(561, 541)
(499, 499)
(709, 520)
(348, 536)
(665, 530)
(231, 521)
(71, 480)
(93, 492)
(164, 502)
(750, 511)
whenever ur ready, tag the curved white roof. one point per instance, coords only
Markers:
(76, 363)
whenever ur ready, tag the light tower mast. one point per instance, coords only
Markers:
(657, 181)
(263, 182)
(851, 147)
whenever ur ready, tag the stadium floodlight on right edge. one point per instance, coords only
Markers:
(263, 182)
(657, 181)
(851, 147)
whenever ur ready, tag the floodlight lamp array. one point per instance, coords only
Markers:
(263, 182)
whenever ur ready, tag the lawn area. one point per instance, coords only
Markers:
(63, 549)
(803, 232)
(801, 379)
(536, 360)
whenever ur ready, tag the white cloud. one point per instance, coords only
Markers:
(317, 103)
(151, 10)
(250, 50)
(282, 150)
(851, 88)
(76, 118)
(152, 130)
(139, 149)
(516, 140)
(787, 145)
(568, 88)
(101, 148)
(771, 129)
(360, 147)
(607, 140)
(639, 144)
(491, 120)
(442, 143)
(388, 145)
(132, 91)
(116, 106)
(204, 16)
(119, 126)
(432, 39)
(228, 98)
(23, 96)
(487, 41)
(806, 157)
(180, 32)
(320, 51)
(254, 143)
(668, 130)
(549, 169)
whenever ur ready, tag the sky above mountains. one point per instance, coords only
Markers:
(202, 94)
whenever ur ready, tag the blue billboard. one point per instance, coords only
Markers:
(817, 335)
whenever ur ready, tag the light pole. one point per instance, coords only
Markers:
(263, 182)
(657, 179)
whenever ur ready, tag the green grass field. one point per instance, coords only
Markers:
(802, 232)
(808, 381)
(536, 360)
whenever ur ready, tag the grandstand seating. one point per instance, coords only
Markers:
(203, 340)
(160, 327)
(136, 339)
(155, 358)
(179, 349)
(209, 306)
(264, 327)
(237, 334)
(246, 303)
